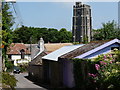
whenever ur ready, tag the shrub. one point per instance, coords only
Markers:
(100, 73)
(108, 71)
(9, 80)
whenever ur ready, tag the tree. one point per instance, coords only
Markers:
(108, 31)
(53, 35)
(7, 18)
(65, 36)
(7, 22)
(24, 33)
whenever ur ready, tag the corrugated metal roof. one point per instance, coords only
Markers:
(89, 48)
(54, 55)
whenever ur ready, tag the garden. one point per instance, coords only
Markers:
(100, 73)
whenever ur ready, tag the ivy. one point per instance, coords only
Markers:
(81, 69)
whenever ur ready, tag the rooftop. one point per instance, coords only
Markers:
(66, 49)
(16, 47)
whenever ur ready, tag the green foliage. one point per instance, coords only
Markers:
(32, 35)
(108, 71)
(81, 68)
(75, 43)
(109, 30)
(64, 35)
(8, 64)
(9, 80)
(7, 18)
(101, 73)
(23, 67)
(85, 39)
(7, 22)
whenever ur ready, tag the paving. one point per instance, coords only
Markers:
(25, 84)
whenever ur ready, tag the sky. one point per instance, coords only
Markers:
(59, 14)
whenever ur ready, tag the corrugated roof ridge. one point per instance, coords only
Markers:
(82, 47)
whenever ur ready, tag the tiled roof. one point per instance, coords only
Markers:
(50, 47)
(16, 47)
(84, 49)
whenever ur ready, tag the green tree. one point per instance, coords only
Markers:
(65, 36)
(7, 22)
(53, 35)
(24, 33)
(108, 31)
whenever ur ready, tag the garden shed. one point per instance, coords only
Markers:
(58, 66)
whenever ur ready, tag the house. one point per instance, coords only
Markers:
(18, 53)
(35, 69)
(58, 66)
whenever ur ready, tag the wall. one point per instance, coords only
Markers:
(15, 57)
(54, 74)
(68, 77)
(36, 72)
(26, 60)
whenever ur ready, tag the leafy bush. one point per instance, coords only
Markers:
(23, 67)
(108, 71)
(81, 68)
(9, 80)
(100, 73)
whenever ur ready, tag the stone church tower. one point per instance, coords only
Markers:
(82, 23)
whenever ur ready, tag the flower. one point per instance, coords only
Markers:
(115, 49)
(103, 63)
(117, 62)
(107, 73)
(114, 71)
(104, 56)
(110, 55)
(111, 62)
(97, 66)
(92, 75)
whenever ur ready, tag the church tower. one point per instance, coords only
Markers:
(82, 23)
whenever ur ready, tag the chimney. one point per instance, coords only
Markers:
(41, 44)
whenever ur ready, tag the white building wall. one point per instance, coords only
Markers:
(28, 57)
(16, 57)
